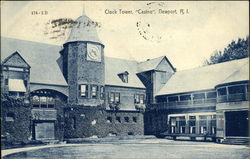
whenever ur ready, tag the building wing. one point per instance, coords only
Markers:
(203, 78)
(41, 58)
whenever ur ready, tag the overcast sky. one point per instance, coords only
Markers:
(187, 40)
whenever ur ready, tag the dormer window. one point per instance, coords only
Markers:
(124, 76)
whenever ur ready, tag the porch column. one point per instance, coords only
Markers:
(187, 124)
(197, 124)
(227, 92)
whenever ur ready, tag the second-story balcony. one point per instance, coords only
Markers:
(185, 104)
(233, 97)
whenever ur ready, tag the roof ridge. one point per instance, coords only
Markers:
(213, 65)
(30, 41)
(152, 59)
(235, 72)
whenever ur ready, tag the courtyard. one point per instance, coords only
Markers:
(130, 148)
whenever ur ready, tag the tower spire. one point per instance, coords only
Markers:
(83, 9)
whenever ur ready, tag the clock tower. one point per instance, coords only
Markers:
(82, 64)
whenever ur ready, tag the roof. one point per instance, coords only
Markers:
(84, 30)
(152, 64)
(121, 65)
(44, 68)
(240, 75)
(149, 64)
(11, 60)
(206, 77)
(41, 58)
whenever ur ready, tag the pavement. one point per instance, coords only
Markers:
(131, 148)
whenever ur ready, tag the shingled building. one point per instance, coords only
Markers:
(75, 91)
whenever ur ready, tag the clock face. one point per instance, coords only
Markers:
(93, 52)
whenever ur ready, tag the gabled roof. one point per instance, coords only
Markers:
(15, 59)
(207, 77)
(152, 64)
(45, 69)
(41, 58)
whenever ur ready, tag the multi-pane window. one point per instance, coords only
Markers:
(111, 97)
(117, 97)
(173, 98)
(83, 90)
(222, 91)
(94, 91)
(211, 95)
(192, 123)
(102, 92)
(43, 101)
(6, 82)
(139, 99)
(114, 97)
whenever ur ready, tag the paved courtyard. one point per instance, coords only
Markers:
(144, 148)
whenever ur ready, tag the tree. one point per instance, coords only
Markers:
(235, 50)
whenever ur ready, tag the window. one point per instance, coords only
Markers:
(6, 81)
(10, 116)
(102, 92)
(118, 119)
(43, 101)
(135, 119)
(13, 93)
(139, 99)
(73, 123)
(199, 96)
(203, 130)
(211, 95)
(185, 97)
(182, 129)
(124, 76)
(126, 119)
(192, 124)
(222, 91)
(163, 77)
(173, 98)
(213, 130)
(109, 119)
(94, 91)
(16, 69)
(236, 89)
(114, 97)
(83, 90)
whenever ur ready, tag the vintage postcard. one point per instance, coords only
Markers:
(125, 80)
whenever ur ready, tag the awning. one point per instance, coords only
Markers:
(16, 85)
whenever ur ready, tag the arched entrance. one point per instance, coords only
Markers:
(46, 104)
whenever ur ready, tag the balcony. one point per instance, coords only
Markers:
(233, 97)
(185, 104)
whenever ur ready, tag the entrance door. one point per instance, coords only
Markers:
(44, 130)
(237, 123)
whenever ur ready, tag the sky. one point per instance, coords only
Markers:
(185, 39)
